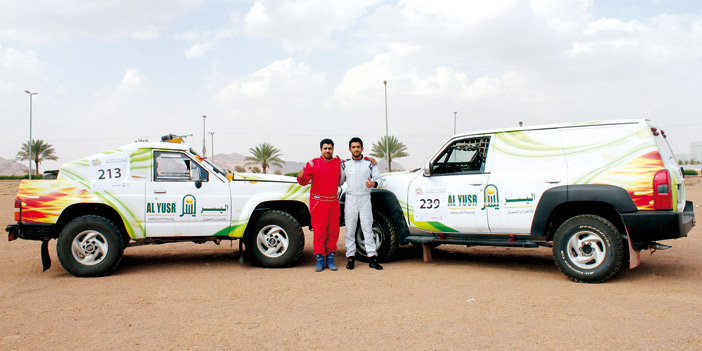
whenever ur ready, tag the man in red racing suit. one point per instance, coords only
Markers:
(324, 173)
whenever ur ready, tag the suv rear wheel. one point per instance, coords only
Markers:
(588, 248)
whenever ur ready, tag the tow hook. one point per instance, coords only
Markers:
(658, 246)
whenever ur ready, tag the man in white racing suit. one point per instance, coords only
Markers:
(360, 175)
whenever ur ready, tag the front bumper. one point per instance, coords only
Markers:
(649, 226)
(29, 231)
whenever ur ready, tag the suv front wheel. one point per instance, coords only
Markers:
(588, 248)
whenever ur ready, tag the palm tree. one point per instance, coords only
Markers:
(41, 152)
(266, 155)
(396, 147)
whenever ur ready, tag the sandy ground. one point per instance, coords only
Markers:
(198, 297)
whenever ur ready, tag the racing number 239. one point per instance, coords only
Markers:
(110, 173)
(429, 203)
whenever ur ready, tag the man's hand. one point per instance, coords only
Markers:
(370, 183)
(372, 160)
(300, 174)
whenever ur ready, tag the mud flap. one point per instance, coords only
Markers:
(45, 259)
(634, 255)
(241, 251)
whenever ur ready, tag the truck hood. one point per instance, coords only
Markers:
(263, 178)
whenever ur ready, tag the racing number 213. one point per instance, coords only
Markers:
(110, 174)
(429, 203)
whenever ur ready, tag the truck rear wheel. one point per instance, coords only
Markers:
(386, 240)
(588, 248)
(276, 240)
(90, 246)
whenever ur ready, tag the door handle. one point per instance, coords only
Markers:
(552, 181)
(159, 191)
(476, 183)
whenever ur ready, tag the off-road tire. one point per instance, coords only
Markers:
(90, 246)
(588, 248)
(276, 240)
(388, 243)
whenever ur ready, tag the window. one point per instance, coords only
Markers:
(463, 156)
(177, 167)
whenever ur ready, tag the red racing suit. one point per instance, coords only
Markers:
(324, 203)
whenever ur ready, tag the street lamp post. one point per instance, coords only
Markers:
(29, 146)
(204, 150)
(387, 138)
(212, 148)
(454, 122)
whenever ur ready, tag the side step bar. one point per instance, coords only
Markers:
(508, 242)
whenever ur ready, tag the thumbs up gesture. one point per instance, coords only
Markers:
(370, 183)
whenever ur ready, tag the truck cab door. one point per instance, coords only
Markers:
(449, 198)
(185, 199)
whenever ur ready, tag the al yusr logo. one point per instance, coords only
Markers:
(491, 197)
(189, 206)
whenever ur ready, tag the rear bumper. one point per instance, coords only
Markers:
(29, 231)
(649, 226)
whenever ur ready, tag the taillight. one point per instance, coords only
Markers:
(18, 210)
(662, 194)
(655, 131)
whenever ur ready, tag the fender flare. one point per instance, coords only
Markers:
(616, 196)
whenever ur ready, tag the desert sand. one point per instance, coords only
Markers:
(199, 297)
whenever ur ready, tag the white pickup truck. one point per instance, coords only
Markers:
(153, 193)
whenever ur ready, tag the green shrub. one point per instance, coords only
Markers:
(690, 172)
(291, 174)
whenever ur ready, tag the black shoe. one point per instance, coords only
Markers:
(352, 262)
(374, 263)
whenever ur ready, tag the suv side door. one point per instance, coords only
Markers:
(449, 196)
(524, 164)
(185, 199)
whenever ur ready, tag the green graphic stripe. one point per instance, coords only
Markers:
(106, 197)
(295, 191)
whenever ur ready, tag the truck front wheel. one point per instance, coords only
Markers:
(384, 234)
(588, 248)
(277, 240)
(90, 246)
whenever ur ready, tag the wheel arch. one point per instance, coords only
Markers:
(560, 203)
(386, 201)
(77, 210)
(297, 209)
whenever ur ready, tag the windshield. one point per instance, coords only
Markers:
(215, 167)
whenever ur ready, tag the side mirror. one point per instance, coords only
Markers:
(198, 184)
(427, 169)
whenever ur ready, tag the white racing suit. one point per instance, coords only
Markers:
(358, 202)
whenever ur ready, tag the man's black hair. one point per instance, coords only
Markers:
(355, 140)
(326, 141)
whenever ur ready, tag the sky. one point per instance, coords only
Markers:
(292, 72)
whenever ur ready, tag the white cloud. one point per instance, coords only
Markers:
(451, 12)
(303, 24)
(283, 79)
(19, 70)
(133, 82)
(44, 20)
(613, 25)
(150, 33)
(562, 15)
(197, 50)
